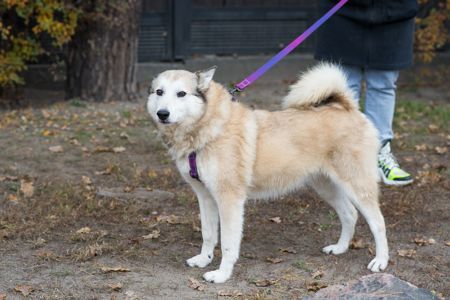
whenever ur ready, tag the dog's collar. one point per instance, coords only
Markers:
(193, 165)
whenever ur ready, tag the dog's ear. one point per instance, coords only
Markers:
(204, 78)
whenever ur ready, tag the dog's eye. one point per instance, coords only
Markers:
(181, 94)
(159, 92)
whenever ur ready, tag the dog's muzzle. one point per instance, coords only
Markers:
(163, 114)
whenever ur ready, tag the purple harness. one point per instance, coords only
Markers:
(264, 68)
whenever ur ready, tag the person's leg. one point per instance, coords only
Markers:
(380, 101)
(354, 77)
(379, 108)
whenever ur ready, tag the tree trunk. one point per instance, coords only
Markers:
(102, 56)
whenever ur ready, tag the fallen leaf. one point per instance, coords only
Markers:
(172, 219)
(100, 149)
(287, 250)
(275, 220)
(114, 269)
(74, 142)
(409, 253)
(421, 147)
(118, 149)
(84, 149)
(315, 286)
(433, 127)
(124, 136)
(106, 171)
(196, 285)
(45, 254)
(24, 289)
(86, 180)
(83, 230)
(8, 178)
(27, 188)
(424, 242)
(357, 244)
(2, 296)
(265, 282)
(47, 133)
(56, 149)
(441, 150)
(235, 293)
(115, 286)
(317, 274)
(274, 260)
(447, 243)
(154, 235)
(12, 198)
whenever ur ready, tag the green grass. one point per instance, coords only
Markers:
(76, 102)
(301, 264)
(408, 110)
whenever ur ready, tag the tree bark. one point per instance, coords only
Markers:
(102, 56)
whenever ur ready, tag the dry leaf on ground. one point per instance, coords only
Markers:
(234, 293)
(265, 282)
(409, 253)
(274, 260)
(2, 296)
(27, 188)
(441, 150)
(118, 149)
(357, 244)
(196, 285)
(153, 235)
(56, 149)
(115, 286)
(172, 219)
(315, 286)
(424, 242)
(317, 274)
(83, 230)
(86, 180)
(275, 220)
(24, 289)
(106, 269)
(12, 198)
(287, 250)
(421, 147)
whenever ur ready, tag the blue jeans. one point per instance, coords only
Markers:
(379, 98)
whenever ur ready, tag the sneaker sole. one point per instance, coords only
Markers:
(393, 182)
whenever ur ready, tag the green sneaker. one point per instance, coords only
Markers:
(389, 168)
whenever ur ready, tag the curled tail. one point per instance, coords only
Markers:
(323, 84)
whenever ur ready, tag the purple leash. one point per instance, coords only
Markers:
(288, 49)
(264, 68)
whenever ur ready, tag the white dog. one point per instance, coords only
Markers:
(319, 139)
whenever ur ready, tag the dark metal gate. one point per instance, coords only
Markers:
(173, 30)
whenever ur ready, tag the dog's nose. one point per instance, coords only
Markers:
(163, 114)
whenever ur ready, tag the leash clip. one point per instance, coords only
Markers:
(233, 91)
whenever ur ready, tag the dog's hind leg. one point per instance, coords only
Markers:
(364, 195)
(345, 210)
(209, 216)
(231, 211)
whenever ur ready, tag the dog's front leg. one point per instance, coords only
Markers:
(209, 216)
(231, 211)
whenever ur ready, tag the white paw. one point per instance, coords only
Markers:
(334, 249)
(378, 264)
(217, 276)
(200, 261)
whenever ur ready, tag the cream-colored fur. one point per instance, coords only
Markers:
(318, 139)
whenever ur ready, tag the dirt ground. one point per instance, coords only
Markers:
(91, 207)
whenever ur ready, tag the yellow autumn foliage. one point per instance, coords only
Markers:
(56, 19)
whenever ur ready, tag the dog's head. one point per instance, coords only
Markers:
(177, 97)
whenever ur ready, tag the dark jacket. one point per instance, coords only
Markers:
(375, 34)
